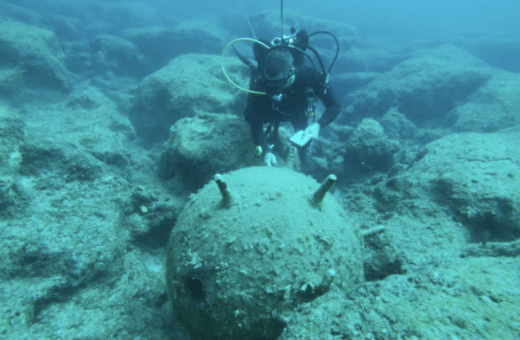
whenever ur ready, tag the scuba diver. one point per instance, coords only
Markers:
(283, 89)
(292, 90)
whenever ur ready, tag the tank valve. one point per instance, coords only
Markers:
(318, 196)
(227, 198)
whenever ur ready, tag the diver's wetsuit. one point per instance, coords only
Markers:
(261, 110)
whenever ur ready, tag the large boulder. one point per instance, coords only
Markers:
(188, 85)
(30, 59)
(345, 83)
(161, 44)
(65, 27)
(117, 55)
(501, 52)
(355, 153)
(369, 149)
(424, 88)
(366, 60)
(106, 56)
(22, 14)
(494, 106)
(107, 17)
(79, 204)
(204, 145)
(474, 298)
(471, 175)
(267, 26)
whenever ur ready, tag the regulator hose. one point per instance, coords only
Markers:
(231, 43)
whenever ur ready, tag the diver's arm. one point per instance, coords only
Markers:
(257, 131)
(314, 79)
(253, 114)
(333, 108)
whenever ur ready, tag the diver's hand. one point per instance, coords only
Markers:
(270, 159)
(313, 130)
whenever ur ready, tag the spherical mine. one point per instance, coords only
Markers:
(238, 271)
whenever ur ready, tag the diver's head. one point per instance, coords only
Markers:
(278, 69)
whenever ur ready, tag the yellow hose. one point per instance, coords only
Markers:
(224, 69)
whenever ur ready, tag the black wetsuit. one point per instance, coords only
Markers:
(262, 109)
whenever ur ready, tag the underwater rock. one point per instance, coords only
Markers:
(83, 152)
(72, 164)
(500, 51)
(201, 146)
(188, 85)
(494, 106)
(267, 25)
(66, 28)
(367, 61)
(398, 127)
(347, 82)
(240, 270)
(369, 148)
(474, 176)
(356, 153)
(117, 55)
(12, 135)
(424, 88)
(20, 13)
(71, 220)
(161, 44)
(31, 59)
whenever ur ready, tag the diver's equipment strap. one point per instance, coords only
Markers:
(243, 59)
(311, 102)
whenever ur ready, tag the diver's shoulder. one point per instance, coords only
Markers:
(306, 72)
(305, 68)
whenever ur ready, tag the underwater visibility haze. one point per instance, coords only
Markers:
(162, 178)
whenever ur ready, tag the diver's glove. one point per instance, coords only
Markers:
(270, 159)
(313, 130)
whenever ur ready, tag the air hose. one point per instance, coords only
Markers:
(224, 69)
